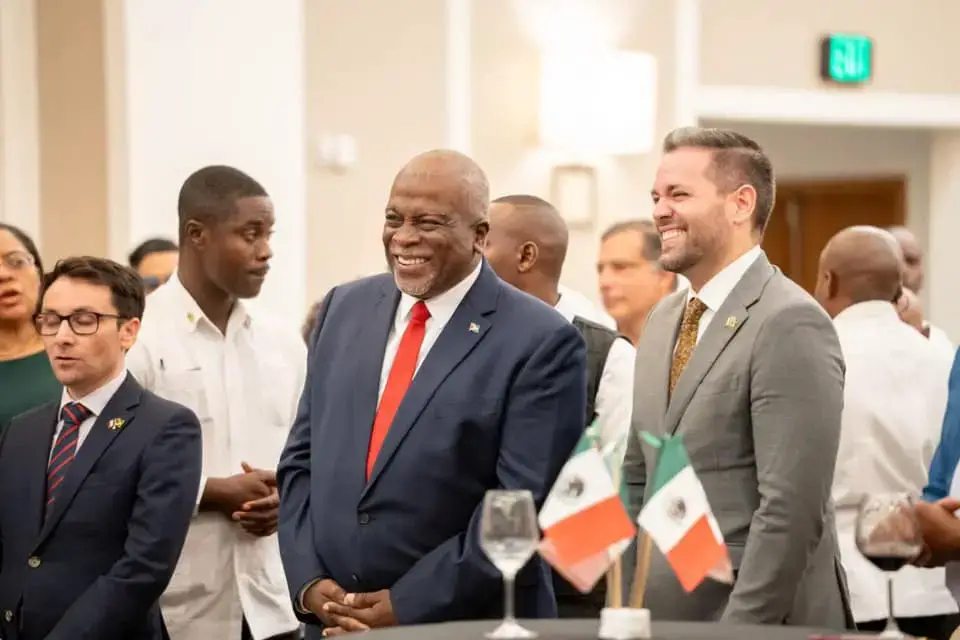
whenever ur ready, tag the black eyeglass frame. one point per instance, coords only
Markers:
(71, 319)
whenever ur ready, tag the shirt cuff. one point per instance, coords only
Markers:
(203, 487)
(301, 607)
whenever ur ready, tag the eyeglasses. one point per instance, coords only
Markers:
(17, 260)
(82, 323)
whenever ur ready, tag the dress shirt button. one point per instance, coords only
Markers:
(8, 615)
(33, 562)
(364, 518)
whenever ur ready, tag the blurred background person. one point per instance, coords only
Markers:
(630, 278)
(910, 310)
(310, 322)
(155, 260)
(894, 396)
(26, 379)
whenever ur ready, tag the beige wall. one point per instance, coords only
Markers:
(776, 43)
(73, 128)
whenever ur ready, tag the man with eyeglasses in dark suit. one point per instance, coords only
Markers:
(98, 488)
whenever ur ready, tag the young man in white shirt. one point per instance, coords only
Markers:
(242, 374)
(895, 394)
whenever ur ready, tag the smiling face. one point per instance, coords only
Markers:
(19, 280)
(235, 250)
(701, 227)
(432, 237)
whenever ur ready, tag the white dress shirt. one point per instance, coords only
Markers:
(614, 403)
(244, 387)
(586, 309)
(895, 394)
(95, 402)
(940, 339)
(441, 308)
(716, 291)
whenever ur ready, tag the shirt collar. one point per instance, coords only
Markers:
(443, 306)
(870, 312)
(96, 401)
(716, 291)
(183, 307)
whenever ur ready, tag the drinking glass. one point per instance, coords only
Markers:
(508, 536)
(888, 535)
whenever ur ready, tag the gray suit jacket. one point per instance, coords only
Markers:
(758, 407)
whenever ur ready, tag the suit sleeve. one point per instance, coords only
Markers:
(796, 390)
(945, 458)
(301, 560)
(157, 529)
(542, 423)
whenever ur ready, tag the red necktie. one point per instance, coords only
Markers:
(401, 374)
(65, 448)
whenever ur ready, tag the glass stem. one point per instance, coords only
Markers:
(508, 599)
(891, 620)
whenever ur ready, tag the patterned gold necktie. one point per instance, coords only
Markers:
(687, 339)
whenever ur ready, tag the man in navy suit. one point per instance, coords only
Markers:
(426, 387)
(98, 489)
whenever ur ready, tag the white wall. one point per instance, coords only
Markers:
(218, 82)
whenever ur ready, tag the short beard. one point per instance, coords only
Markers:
(418, 291)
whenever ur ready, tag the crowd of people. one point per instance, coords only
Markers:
(177, 463)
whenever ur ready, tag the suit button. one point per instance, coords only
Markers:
(33, 562)
(8, 615)
(364, 518)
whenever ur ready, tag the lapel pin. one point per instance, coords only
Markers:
(731, 322)
(116, 424)
(191, 317)
(474, 327)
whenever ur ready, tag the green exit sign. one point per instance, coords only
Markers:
(846, 58)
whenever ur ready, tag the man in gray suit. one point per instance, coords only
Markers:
(747, 368)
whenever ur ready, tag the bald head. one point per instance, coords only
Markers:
(913, 267)
(860, 264)
(527, 244)
(454, 173)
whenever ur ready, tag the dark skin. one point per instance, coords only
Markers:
(526, 246)
(913, 272)
(859, 264)
(222, 259)
(435, 227)
(941, 532)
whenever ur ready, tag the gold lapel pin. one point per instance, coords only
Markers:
(191, 317)
(116, 424)
(731, 322)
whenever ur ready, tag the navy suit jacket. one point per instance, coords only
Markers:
(498, 403)
(95, 569)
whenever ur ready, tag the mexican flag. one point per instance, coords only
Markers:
(585, 525)
(678, 519)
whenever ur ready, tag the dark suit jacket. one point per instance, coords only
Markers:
(95, 569)
(497, 403)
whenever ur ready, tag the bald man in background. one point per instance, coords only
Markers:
(914, 277)
(894, 398)
(526, 246)
(426, 387)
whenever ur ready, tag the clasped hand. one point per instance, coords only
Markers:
(250, 499)
(344, 612)
(941, 532)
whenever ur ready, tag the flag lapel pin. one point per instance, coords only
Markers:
(731, 322)
(116, 424)
(191, 317)
(474, 327)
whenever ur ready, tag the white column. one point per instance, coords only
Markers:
(19, 119)
(214, 82)
(943, 268)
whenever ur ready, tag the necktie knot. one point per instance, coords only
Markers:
(73, 414)
(419, 314)
(693, 312)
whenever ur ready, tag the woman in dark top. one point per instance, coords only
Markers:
(26, 379)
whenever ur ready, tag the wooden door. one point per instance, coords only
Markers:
(808, 214)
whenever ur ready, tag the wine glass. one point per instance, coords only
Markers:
(888, 535)
(508, 536)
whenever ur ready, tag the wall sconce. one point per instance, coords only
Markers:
(598, 103)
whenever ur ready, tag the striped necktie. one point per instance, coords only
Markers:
(65, 448)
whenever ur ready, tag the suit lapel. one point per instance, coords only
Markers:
(463, 332)
(121, 406)
(726, 323)
(371, 343)
(36, 457)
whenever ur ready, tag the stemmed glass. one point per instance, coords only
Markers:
(508, 536)
(888, 535)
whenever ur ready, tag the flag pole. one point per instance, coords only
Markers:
(615, 572)
(642, 571)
